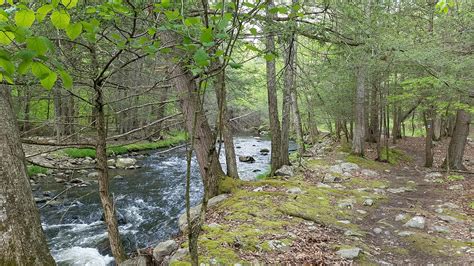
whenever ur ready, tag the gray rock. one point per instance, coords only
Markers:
(329, 178)
(349, 167)
(361, 211)
(416, 222)
(368, 202)
(368, 173)
(377, 230)
(264, 151)
(352, 233)
(322, 185)
(449, 205)
(246, 159)
(278, 245)
(285, 170)
(118, 177)
(400, 217)
(258, 189)
(164, 249)
(440, 229)
(338, 186)
(40, 200)
(336, 169)
(456, 187)
(59, 180)
(123, 163)
(448, 219)
(346, 204)
(93, 175)
(179, 255)
(433, 175)
(295, 190)
(405, 233)
(182, 221)
(349, 253)
(141, 260)
(111, 162)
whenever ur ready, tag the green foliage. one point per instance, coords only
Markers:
(453, 178)
(171, 140)
(34, 170)
(394, 156)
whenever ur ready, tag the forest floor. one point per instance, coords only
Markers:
(337, 208)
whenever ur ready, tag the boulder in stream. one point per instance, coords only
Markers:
(246, 159)
(124, 163)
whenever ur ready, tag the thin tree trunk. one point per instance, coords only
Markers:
(107, 203)
(272, 96)
(428, 120)
(21, 236)
(374, 113)
(312, 124)
(358, 141)
(286, 104)
(226, 131)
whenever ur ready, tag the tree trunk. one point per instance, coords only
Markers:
(226, 131)
(454, 158)
(272, 97)
(374, 114)
(286, 104)
(312, 124)
(294, 98)
(358, 140)
(101, 156)
(428, 120)
(21, 236)
(191, 105)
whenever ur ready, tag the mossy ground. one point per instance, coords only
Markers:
(34, 170)
(432, 245)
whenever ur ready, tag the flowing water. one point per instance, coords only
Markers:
(149, 201)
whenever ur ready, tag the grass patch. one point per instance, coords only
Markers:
(35, 169)
(365, 163)
(263, 175)
(433, 246)
(454, 178)
(123, 149)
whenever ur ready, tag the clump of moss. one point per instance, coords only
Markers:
(394, 156)
(34, 170)
(314, 163)
(228, 185)
(345, 147)
(365, 163)
(471, 205)
(454, 178)
(357, 182)
(432, 245)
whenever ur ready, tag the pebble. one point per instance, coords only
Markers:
(349, 253)
(377, 230)
(368, 202)
(400, 217)
(405, 233)
(416, 222)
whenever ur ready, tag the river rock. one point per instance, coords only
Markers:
(93, 175)
(349, 253)
(164, 249)
(140, 260)
(59, 180)
(264, 151)
(285, 170)
(124, 163)
(179, 255)
(349, 167)
(416, 222)
(111, 162)
(182, 221)
(246, 159)
(118, 177)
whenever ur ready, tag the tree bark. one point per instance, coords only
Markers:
(226, 131)
(454, 158)
(21, 236)
(428, 120)
(358, 140)
(374, 114)
(272, 96)
(101, 156)
(191, 105)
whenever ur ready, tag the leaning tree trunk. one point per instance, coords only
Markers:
(272, 96)
(21, 236)
(358, 139)
(226, 131)
(191, 105)
(454, 158)
(107, 203)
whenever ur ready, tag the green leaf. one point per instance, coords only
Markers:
(269, 57)
(39, 44)
(43, 11)
(6, 37)
(172, 14)
(40, 71)
(201, 57)
(25, 18)
(69, 3)
(24, 66)
(192, 21)
(235, 65)
(206, 35)
(66, 78)
(74, 30)
(253, 31)
(60, 19)
(49, 81)
(7, 66)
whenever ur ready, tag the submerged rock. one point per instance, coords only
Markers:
(349, 253)
(285, 170)
(416, 222)
(264, 151)
(246, 159)
(164, 249)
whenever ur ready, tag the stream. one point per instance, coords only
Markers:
(149, 202)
